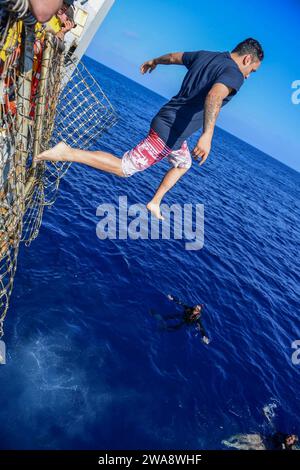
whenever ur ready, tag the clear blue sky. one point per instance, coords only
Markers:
(262, 113)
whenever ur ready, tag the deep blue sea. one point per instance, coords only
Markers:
(89, 367)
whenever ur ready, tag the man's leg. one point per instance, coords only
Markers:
(100, 160)
(167, 183)
(181, 161)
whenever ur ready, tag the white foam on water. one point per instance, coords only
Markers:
(270, 410)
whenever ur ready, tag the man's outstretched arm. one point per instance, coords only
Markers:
(212, 107)
(174, 58)
(176, 300)
(201, 328)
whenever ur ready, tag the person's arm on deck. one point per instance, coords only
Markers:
(43, 11)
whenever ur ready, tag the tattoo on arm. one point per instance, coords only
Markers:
(166, 59)
(212, 107)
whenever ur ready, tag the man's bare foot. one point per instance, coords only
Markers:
(154, 208)
(57, 153)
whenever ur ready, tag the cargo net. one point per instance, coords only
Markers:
(83, 114)
(60, 103)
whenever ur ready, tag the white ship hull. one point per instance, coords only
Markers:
(88, 18)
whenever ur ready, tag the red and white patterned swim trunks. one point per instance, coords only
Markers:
(150, 151)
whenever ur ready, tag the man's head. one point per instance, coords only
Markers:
(197, 309)
(291, 440)
(248, 55)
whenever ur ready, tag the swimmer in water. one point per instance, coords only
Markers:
(191, 316)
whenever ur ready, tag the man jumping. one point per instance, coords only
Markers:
(213, 78)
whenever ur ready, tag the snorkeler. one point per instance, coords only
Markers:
(191, 316)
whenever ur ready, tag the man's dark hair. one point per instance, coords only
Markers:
(252, 47)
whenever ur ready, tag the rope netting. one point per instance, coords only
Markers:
(42, 102)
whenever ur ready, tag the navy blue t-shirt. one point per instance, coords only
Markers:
(183, 114)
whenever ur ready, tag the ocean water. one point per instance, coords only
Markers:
(89, 367)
